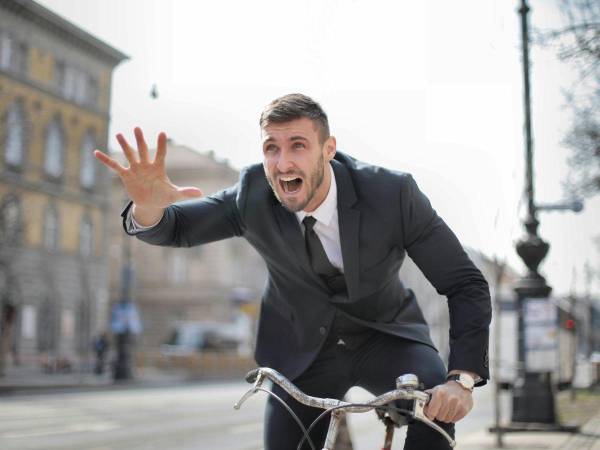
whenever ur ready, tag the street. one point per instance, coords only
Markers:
(186, 417)
(177, 417)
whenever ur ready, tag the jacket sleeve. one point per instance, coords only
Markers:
(193, 222)
(437, 252)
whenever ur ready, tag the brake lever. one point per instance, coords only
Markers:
(419, 414)
(256, 377)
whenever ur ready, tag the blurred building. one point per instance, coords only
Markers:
(435, 306)
(55, 83)
(171, 285)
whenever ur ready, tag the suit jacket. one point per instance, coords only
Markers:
(382, 216)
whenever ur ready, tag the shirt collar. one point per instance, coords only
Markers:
(324, 212)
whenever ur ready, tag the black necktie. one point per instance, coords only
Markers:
(318, 258)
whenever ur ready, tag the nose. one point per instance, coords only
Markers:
(284, 162)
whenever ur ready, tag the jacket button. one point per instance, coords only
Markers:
(322, 330)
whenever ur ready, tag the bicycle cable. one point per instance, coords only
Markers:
(296, 418)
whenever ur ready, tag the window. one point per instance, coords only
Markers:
(75, 84)
(87, 169)
(59, 75)
(50, 229)
(6, 50)
(86, 238)
(55, 143)
(92, 93)
(10, 221)
(13, 54)
(15, 137)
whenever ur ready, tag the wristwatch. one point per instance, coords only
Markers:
(465, 380)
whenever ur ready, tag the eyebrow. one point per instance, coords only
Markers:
(293, 138)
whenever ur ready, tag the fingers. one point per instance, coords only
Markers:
(435, 403)
(448, 404)
(189, 192)
(141, 144)
(127, 150)
(161, 149)
(109, 162)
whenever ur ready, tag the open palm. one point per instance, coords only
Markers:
(145, 181)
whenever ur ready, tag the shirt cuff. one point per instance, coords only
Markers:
(133, 226)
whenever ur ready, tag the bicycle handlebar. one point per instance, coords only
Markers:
(405, 391)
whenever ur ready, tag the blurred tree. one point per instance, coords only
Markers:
(578, 43)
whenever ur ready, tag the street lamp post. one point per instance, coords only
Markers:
(533, 402)
(120, 321)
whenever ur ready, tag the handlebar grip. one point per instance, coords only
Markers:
(252, 375)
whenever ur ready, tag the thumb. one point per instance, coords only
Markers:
(189, 192)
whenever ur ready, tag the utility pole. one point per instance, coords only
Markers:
(533, 403)
(125, 320)
(499, 268)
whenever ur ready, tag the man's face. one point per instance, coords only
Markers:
(294, 160)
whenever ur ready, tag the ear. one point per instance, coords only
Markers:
(329, 148)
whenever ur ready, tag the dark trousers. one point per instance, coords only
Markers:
(373, 364)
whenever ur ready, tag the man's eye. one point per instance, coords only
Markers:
(270, 148)
(298, 145)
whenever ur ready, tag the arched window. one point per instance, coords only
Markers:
(86, 237)
(55, 149)
(14, 137)
(87, 169)
(50, 228)
(10, 221)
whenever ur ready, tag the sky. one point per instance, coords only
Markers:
(433, 88)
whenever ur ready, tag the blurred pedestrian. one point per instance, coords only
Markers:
(101, 346)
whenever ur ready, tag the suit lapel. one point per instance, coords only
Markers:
(348, 220)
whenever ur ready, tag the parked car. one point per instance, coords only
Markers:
(188, 337)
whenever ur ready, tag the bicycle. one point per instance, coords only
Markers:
(407, 388)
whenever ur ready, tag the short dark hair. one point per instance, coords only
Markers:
(295, 106)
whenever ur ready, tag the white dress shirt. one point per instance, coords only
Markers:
(327, 226)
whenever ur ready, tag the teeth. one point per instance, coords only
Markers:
(288, 178)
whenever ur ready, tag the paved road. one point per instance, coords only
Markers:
(181, 417)
(188, 417)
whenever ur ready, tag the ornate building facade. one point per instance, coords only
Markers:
(55, 84)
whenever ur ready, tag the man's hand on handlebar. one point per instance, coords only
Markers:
(449, 402)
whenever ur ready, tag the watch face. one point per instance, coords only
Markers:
(464, 380)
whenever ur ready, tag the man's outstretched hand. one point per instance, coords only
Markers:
(449, 402)
(145, 181)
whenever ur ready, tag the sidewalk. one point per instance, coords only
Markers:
(27, 379)
(588, 438)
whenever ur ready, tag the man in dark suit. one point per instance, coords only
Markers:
(333, 232)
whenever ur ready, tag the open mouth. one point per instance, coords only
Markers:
(290, 185)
